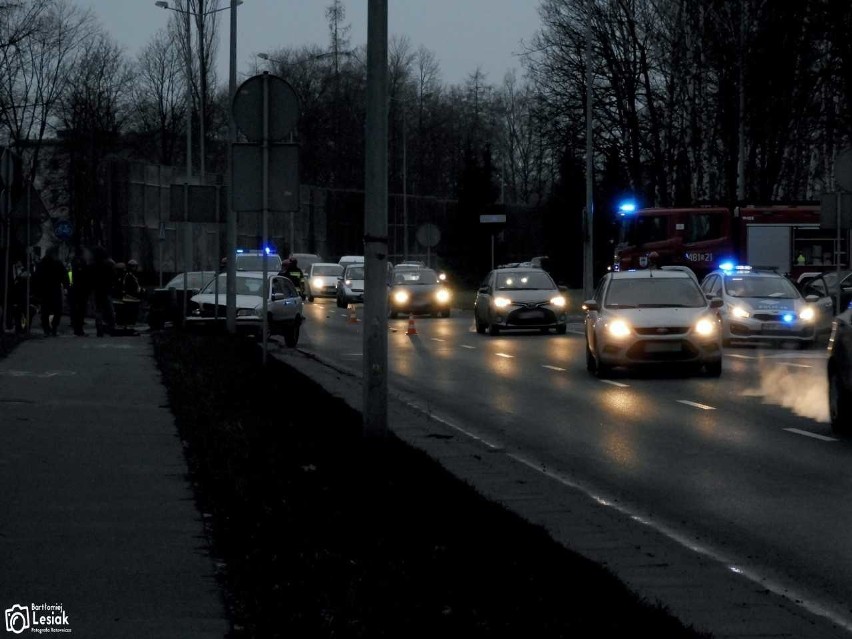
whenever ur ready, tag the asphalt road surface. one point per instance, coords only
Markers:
(744, 465)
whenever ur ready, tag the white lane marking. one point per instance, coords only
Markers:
(778, 588)
(814, 435)
(437, 339)
(612, 383)
(506, 355)
(738, 356)
(472, 348)
(430, 415)
(696, 404)
(577, 332)
(791, 364)
(353, 354)
(553, 368)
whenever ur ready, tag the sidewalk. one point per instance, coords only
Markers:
(96, 513)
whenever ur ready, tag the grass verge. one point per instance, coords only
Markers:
(324, 534)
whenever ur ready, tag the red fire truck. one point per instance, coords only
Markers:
(785, 237)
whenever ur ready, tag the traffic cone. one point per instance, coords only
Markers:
(353, 315)
(412, 329)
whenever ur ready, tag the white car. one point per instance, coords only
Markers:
(764, 306)
(652, 316)
(350, 288)
(284, 305)
(322, 280)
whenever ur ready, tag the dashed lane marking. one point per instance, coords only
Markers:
(577, 332)
(472, 348)
(696, 404)
(612, 383)
(506, 355)
(437, 339)
(814, 435)
(792, 365)
(553, 368)
(739, 356)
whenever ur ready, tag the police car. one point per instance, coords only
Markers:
(761, 305)
(253, 260)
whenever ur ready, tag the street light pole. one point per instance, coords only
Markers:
(375, 333)
(231, 285)
(588, 217)
(187, 232)
(202, 91)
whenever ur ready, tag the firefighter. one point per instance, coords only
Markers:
(295, 274)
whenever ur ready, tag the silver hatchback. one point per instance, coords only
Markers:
(655, 316)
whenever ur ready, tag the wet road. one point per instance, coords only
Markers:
(745, 465)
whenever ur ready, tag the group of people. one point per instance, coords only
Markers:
(92, 275)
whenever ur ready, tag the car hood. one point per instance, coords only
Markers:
(651, 317)
(243, 301)
(766, 303)
(526, 297)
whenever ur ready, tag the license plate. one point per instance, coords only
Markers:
(776, 326)
(662, 347)
(529, 315)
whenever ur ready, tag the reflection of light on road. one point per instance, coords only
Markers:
(619, 446)
(625, 403)
(804, 391)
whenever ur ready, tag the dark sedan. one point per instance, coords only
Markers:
(840, 373)
(418, 291)
(166, 303)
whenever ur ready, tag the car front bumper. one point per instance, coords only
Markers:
(528, 318)
(748, 330)
(636, 351)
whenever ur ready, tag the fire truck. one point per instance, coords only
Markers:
(787, 238)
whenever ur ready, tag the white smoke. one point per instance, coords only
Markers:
(804, 391)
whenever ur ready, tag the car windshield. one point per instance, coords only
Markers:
(255, 263)
(245, 285)
(355, 273)
(420, 276)
(327, 269)
(524, 281)
(194, 280)
(750, 286)
(654, 292)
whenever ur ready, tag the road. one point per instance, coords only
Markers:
(745, 465)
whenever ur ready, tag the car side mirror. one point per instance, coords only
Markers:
(811, 298)
(717, 302)
(562, 288)
(591, 305)
(483, 289)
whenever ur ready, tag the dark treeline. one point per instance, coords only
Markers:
(694, 101)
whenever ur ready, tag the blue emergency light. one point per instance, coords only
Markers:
(788, 317)
(727, 266)
(628, 206)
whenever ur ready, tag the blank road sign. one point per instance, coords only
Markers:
(247, 194)
(492, 219)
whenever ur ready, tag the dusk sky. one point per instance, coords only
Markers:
(463, 34)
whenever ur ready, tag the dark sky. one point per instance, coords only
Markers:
(463, 34)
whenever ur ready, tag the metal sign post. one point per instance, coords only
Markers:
(492, 219)
(265, 206)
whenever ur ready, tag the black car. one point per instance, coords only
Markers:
(840, 373)
(166, 303)
(418, 291)
(824, 285)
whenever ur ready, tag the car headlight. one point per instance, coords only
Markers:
(618, 328)
(807, 314)
(558, 301)
(705, 327)
(502, 302)
(400, 297)
(317, 282)
(443, 296)
(348, 282)
(245, 312)
(739, 311)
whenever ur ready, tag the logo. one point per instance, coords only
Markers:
(17, 619)
(37, 618)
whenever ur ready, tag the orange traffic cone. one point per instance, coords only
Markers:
(412, 329)
(353, 315)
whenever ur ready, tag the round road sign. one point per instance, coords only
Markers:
(843, 169)
(428, 235)
(248, 108)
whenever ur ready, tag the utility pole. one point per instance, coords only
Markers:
(202, 91)
(375, 330)
(741, 110)
(231, 285)
(187, 232)
(588, 213)
(404, 188)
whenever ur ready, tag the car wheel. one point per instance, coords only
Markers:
(493, 329)
(480, 326)
(291, 333)
(591, 363)
(310, 298)
(602, 371)
(713, 369)
(562, 329)
(839, 402)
